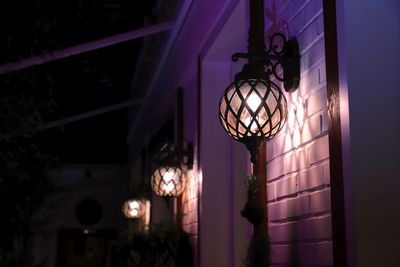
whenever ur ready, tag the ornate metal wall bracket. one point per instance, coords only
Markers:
(253, 109)
(168, 179)
(171, 154)
(282, 56)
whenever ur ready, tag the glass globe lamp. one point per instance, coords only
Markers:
(252, 111)
(168, 181)
(133, 208)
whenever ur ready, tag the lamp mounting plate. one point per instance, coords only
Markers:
(291, 65)
(279, 61)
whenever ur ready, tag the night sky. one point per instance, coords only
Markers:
(79, 83)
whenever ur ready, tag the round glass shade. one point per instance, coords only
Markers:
(168, 181)
(252, 108)
(133, 208)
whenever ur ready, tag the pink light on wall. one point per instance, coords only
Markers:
(298, 165)
(296, 120)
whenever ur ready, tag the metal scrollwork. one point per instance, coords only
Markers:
(274, 68)
(275, 55)
(280, 52)
(273, 46)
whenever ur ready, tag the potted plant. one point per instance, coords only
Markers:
(162, 246)
(258, 252)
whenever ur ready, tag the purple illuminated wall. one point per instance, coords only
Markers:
(298, 158)
(369, 64)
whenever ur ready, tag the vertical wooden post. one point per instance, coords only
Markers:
(335, 138)
(198, 145)
(179, 141)
(260, 170)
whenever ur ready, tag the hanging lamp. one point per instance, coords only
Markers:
(253, 108)
(168, 179)
(133, 208)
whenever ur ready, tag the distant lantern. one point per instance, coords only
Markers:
(168, 181)
(133, 208)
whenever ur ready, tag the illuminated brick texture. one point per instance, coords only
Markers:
(298, 158)
(190, 209)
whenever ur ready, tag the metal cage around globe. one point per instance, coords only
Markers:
(133, 208)
(168, 181)
(252, 108)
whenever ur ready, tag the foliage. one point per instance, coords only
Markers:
(30, 33)
(16, 258)
(164, 245)
(25, 102)
(258, 252)
(252, 210)
(252, 186)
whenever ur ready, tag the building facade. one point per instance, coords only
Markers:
(326, 206)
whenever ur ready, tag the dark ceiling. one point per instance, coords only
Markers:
(84, 82)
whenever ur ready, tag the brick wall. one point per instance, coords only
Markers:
(190, 198)
(298, 158)
(190, 209)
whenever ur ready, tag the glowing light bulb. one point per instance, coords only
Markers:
(133, 205)
(253, 101)
(134, 213)
(168, 181)
(168, 187)
(168, 176)
(132, 208)
(253, 126)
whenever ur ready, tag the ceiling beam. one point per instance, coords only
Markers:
(86, 47)
(183, 13)
(90, 114)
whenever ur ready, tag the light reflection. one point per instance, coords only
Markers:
(291, 118)
(295, 123)
(300, 114)
(296, 136)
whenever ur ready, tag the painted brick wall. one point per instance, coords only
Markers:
(190, 209)
(298, 158)
(190, 199)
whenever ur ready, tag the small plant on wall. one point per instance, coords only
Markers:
(258, 252)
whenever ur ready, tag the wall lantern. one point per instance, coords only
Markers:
(168, 179)
(253, 109)
(133, 208)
